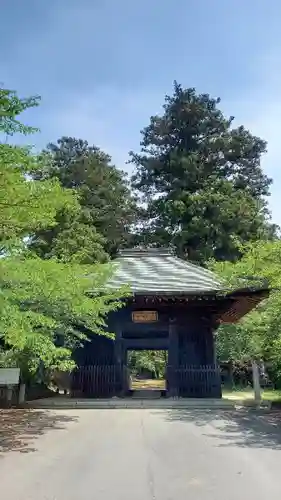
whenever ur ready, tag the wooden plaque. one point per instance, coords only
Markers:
(144, 316)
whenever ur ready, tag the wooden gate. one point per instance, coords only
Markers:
(97, 381)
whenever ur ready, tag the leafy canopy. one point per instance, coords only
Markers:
(201, 180)
(258, 335)
(26, 206)
(41, 299)
(107, 207)
(12, 106)
(151, 361)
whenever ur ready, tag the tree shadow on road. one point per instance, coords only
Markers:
(244, 428)
(19, 428)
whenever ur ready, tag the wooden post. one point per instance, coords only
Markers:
(9, 394)
(118, 346)
(173, 356)
(210, 347)
(256, 382)
(22, 393)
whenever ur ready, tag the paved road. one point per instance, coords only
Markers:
(138, 455)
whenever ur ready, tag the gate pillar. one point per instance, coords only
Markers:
(173, 356)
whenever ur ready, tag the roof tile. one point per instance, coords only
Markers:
(157, 270)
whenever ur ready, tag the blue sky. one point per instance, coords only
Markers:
(103, 67)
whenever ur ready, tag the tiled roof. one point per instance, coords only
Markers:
(159, 271)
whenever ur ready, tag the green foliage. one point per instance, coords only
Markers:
(72, 239)
(201, 179)
(10, 107)
(258, 335)
(26, 206)
(41, 300)
(205, 194)
(107, 206)
(151, 361)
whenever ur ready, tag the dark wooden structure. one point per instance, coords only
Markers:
(175, 306)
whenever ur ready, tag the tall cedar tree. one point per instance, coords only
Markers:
(201, 180)
(108, 208)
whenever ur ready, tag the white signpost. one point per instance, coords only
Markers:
(9, 377)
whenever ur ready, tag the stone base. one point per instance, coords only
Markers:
(130, 403)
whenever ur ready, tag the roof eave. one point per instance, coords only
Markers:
(226, 292)
(178, 293)
(244, 301)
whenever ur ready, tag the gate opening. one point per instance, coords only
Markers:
(147, 372)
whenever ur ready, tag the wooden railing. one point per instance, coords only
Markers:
(97, 381)
(106, 381)
(194, 381)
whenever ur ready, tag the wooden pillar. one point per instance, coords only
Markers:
(173, 359)
(215, 389)
(118, 351)
(210, 354)
(120, 362)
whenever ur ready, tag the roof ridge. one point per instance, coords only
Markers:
(149, 252)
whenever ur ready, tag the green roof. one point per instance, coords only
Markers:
(159, 271)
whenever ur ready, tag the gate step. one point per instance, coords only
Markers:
(146, 394)
(127, 403)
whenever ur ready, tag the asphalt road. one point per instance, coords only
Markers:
(138, 455)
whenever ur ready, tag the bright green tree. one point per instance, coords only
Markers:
(11, 106)
(258, 334)
(71, 239)
(42, 299)
(27, 206)
(152, 361)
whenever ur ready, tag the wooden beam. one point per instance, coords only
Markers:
(150, 344)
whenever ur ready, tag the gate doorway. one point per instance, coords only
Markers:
(147, 373)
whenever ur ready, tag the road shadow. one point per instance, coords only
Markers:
(244, 428)
(19, 428)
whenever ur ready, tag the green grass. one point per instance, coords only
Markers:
(234, 395)
(248, 394)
